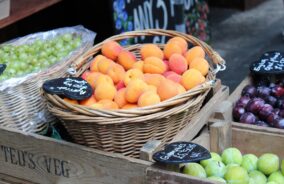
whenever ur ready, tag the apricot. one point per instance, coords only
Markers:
(178, 63)
(132, 74)
(167, 89)
(129, 106)
(91, 77)
(201, 65)
(152, 88)
(89, 101)
(111, 49)
(72, 101)
(191, 78)
(149, 50)
(119, 97)
(85, 74)
(172, 48)
(120, 85)
(153, 79)
(108, 104)
(180, 88)
(134, 89)
(193, 53)
(105, 91)
(179, 41)
(116, 73)
(167, 73)
(94, 63)
(174, 77)
(104, 64)
(101, 79)
(126, 59)
(97, 106)
(154, 65)
(138, 65)
(148, 98)
(166, 62)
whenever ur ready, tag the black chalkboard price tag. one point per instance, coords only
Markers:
(71, 87)
(181, 152)
(2, 68)
(269, 63)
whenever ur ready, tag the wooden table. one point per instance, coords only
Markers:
(24, 8)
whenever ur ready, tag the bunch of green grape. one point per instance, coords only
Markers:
(40, 54)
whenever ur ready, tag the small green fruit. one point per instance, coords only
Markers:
(216, 178)
(272, 182)
(268, 163)
(215, 168)
(249, 162)
(194, 169)
(276, 177)
(282, 167)
(232, 155)
(257, 177)
(214, 156)
(230, 165)
(237, 175)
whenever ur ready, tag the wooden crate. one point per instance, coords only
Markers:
(31, 158)
(4, 8)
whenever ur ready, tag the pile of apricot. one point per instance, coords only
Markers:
(123, 81)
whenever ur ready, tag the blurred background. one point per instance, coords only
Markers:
(240, 30)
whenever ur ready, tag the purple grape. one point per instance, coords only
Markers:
(262, 123)
(249, 90)
(281, 113)
(279, 123)
(271, 100)
(265, 111)
(248, 118)
(280, 104)
(271, 118)
(272, 85)
(255, 105)
(238, 111)
(277, 91)
(276, 111)
(243, 101)
(263, 91)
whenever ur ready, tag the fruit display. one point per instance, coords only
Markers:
(122, 79)
(234, 168)
(40, 54)
(261, 104)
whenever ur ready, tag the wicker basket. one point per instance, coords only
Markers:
(21, 104)
(125, 131)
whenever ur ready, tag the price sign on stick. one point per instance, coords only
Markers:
(2, 68)
(72, 87)
(182, 152)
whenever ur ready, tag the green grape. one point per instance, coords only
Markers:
(67, 37)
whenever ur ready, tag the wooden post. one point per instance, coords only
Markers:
(148, 149)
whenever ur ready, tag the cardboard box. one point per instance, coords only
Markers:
(4, 8)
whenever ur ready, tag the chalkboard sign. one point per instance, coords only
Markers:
(71, 87)
(269, 63)
(182, 152)
(2, 68)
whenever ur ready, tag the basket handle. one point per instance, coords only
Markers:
(216, 58)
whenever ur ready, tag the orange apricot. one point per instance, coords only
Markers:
(174, 77)
(167, 89)
(153, 79)
(126, 59)
(89, 101)
(138, 65)
(134, 89)
(171, 48)
(119, 98)
(180, 88)
(108, 104)
(132, 74)
(97, 106)
(72, 101)
(104, 64)
(193, 53)
(191, 78)
(116, 72)
(178, 63)
(111, 49)
(94, 63)
(149, 50)
(201, 65)
(181, 42)
(166, 62)
(105, 91)
(152, 88)
(154, 65)
(120, 85)
(101, 79)
(129, 106)
(85, 74)
(91, 78)
(148, 98)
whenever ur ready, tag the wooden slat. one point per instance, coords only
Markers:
(220, 136)
(203, 139)
(6, 179)
(45, 160)
(238, 91)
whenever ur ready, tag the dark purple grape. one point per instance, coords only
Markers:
(248, 118)
(281, 113)
(265, 111)
(271, 118)
(263, 91)
(280, 104)
(262, 123)
(255, 105)
(276, 111)
(279, 123)
(277, 91)
(271, 100)
(249, 90)
(271, 85)
(243, 101)
(238, 111)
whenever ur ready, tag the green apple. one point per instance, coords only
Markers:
(236, 175)
(277, 177)
(257, 177)
(216, 178)
(272, 182)
(230, 165)
(215, 168)
(214, 156)
(282, 167)
(232, 155)
(194, 169)
(268, 163)
(249, 162)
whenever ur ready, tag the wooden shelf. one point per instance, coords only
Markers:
(24, 8)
